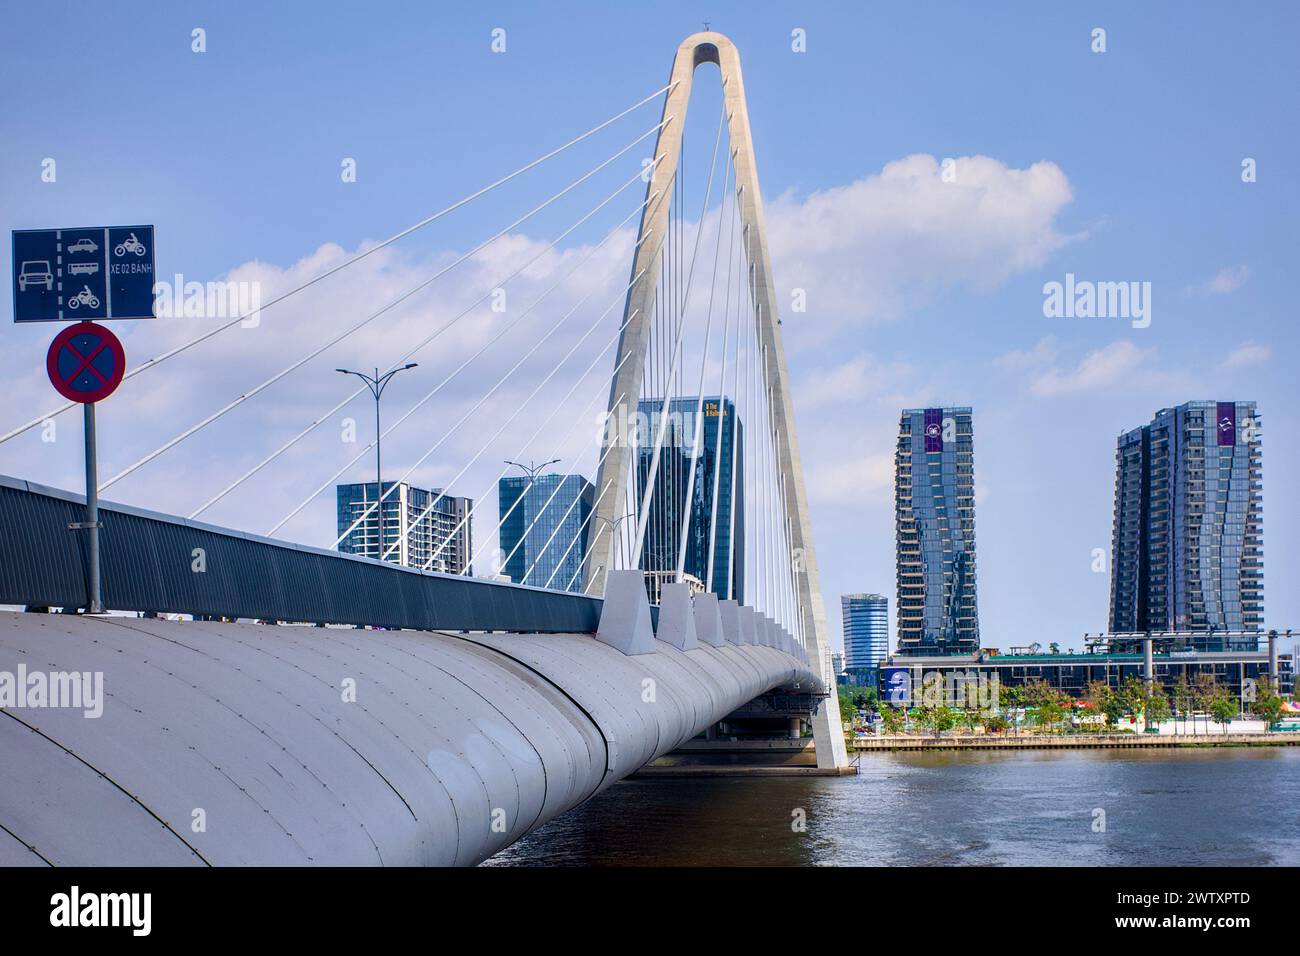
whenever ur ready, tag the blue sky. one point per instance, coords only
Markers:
(915, 297)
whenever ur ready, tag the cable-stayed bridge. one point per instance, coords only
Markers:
(438, 711)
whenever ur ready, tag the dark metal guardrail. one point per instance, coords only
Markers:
(163, 563)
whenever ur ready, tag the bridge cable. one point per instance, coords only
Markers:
(577, 498)
(528, 444)
(159, 359)
(501, 381)
(460, 368)
(697, 439)
(470, 308)
(547, 504)
(496, 532)
(581, 527)
(647, 496)
(722, 393)
(519, 406)
(230, 406)
(509, 326)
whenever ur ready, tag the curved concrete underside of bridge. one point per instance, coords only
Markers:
(455, 746)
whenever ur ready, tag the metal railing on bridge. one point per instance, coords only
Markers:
(162, 563)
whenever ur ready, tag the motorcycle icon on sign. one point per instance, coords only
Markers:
(84, 297)
(129, 244)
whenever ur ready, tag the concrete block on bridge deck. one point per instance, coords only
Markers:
(708, 620)
(625, 618)
(731, 632)
(748, 625)
(677, 617)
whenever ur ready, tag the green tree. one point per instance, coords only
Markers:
(1049, 710)
(895, 720)
(1205, 690)
(851, 699)
(937, 719)
(1182, 698)
(995, 723)
(1037, 692)
(1132, 696)
(1158, 709)
(943, 718)
(1267, 703)
(1223, 708)
(1103, 698)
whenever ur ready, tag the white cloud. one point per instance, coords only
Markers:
(860, 251)
(1222, 282)
(856, 380)
(1102, 368)
(1044, 353)
(1247, 353)
(850, 480)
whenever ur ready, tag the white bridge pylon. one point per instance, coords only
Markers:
(619, 459)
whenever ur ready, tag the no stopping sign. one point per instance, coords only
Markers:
(85, 362)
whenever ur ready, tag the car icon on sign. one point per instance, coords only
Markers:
(83, 245)
(35, 272)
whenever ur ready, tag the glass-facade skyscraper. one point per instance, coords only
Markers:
(1187, 543)
(443, 534)
(866, 629)
(551, 520)
(722, 442)
(935, 526)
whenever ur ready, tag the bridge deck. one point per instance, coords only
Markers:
(225, 743)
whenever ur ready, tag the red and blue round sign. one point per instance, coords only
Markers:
(86, 362)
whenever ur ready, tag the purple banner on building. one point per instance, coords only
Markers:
(1226, 422)
(934, 429)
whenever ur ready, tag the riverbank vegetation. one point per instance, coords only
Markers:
(1038, 707)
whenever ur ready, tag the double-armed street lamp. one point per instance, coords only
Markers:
(531, 470)
(377, 383)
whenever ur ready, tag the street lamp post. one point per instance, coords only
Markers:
(531, 470)
(616, 550)
(377, 383)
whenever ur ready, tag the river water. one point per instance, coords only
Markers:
(1231, 807)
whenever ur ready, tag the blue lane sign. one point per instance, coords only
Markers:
(76, 275)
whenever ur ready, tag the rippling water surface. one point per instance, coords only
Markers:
(1232, 807)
